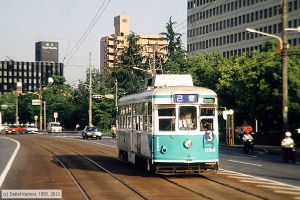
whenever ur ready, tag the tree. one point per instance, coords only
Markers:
(8, 106)
(59, 98)
(176, 61)
(130, 79)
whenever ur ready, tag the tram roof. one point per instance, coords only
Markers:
(163, 92)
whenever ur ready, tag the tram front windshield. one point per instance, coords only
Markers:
(187, 118)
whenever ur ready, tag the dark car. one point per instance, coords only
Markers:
(91, 132)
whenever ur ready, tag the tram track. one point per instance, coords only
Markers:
(180, 185)
(80, 188)
(123, 181)
(84, 193)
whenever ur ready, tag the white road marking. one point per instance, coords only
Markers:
(8, 165)
(245, 163)
(261, 179)
(70, 138)
(257, 181)
(287, 192)
(243, 177)
(277, 187)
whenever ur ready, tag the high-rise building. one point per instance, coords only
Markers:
(30, 74)
(112, 46)
(221, 25)
(46, 51)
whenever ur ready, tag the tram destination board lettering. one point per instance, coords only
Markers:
(185, 98)
(209, 100)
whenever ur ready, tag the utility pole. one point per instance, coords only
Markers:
(116, 94)
(116, 101)
(154, 61)
(45, 121)
(41, 103)
(17, 108)
(90, 93)
(284, 69)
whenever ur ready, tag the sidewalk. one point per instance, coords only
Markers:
(271, 150)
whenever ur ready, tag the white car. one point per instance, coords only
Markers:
(54, 127)
(91, 132)
(31, 128)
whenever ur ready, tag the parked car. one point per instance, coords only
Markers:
(54, 127)
(91, 132)
(31, 128)
(14, 129)
(3, 127)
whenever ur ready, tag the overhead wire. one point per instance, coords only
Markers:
(99, 13)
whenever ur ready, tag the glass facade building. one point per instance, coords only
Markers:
(31, 74)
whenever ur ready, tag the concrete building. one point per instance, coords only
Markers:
(46, 51)
(30, 74)
(221, 25)
(111, 46)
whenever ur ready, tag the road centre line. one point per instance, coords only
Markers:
(87, 141)
(246, 163)
(12, 158)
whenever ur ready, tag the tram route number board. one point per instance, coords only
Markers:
(185, 98)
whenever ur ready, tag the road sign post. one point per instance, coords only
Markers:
(55, 115)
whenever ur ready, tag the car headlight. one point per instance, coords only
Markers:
(187, 143)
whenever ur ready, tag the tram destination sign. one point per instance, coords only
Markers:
(185, 98)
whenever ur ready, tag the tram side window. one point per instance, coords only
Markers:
(187, 118)
(149, 120)
(207, 125)
(166, 119)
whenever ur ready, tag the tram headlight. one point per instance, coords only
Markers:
(163, 149)
(187, 143)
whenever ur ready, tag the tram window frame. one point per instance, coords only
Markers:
(207, 112)
(166, 122)
(207, 117)
(191, 120)
(202, 125)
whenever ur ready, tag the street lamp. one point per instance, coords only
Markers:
(18, 91)
(267, 34)
(50, 81)
(283, 48)
(293, 29)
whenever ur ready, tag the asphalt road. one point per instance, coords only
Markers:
(7, 148)
(38, 166)
(259, 164)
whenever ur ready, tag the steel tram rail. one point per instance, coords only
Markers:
(97, 165)
(80, 188)
(183, 187)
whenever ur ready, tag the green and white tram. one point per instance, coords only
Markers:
(171, 127)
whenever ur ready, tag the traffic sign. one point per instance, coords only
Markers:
(36, 102)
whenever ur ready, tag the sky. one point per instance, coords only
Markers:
(24, 22)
